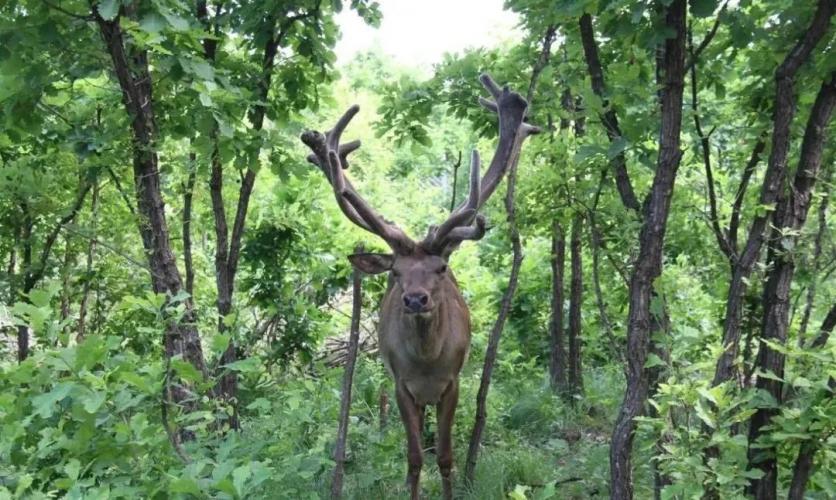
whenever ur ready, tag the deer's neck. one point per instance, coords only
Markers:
(424, 333)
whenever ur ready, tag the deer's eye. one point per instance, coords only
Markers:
(396, 274)
(442, 269)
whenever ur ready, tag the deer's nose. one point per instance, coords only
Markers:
(415, 302)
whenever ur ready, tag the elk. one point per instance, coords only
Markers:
(424, 328)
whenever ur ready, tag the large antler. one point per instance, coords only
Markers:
(464, 223)
(332, 158)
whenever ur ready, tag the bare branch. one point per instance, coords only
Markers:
(695, 54)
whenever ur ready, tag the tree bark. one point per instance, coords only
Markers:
(789, 217)
(557, 358)
(133, 74)
(348, 376)
(609, 119)
(187, 224)
(785, 103)
(575, 302)
(803, 468)
(595, 247)
(496, 331)
(66, 273)
(228, 247)
(516, 262)
(814, 265)
(649, 263)
(88, 278)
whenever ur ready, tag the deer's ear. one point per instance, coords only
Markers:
(372, 263)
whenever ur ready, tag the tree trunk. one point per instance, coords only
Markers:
(609, 118)
(187, 224)
(814, 265)
(785, 103)
(788, 218)
(649, 263)
(66, 273)
(557, 359)
(595, 246)
(88, 278)
(348, 376)
(496, 332)
(575, 302)
(516, 262)
(228, 247)
(134, 77)
(803, 468)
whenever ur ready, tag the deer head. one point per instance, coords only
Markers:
(420, 268)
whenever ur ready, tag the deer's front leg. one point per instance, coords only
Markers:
(413, 417)
(446, 409)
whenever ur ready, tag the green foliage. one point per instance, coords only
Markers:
(83, 416)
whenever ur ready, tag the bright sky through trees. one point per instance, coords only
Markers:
(418, 33)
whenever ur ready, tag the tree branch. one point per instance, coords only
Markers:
(705, 147)
(695, 54)
(609, 118)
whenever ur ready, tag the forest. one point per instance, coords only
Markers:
(203, 297)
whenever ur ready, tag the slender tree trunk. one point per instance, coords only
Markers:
(133, 74)
(557, 364)
(229, 244)
(803, 468)
(26, 269)
(187, 224)
(516, 262)
(814, 265)
(789, 217)
(456, 166)
(575, 302)
(348, 376)
(66, 273)
(496, 332)
(609, 118)
(649, 263)
(88, 274)
(595, 246)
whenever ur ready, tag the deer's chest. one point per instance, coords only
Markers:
(425, 366)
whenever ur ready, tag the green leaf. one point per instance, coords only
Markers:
(39, 298)
(206, 100)
(617, 147)
(44, 404)
(176, 22)
(703, 8)
(23, 484)
(653, 360)
(185, 485)
(72, 468)
(240, 476)
(109, 9)
(186, 370)
(220, 343)
(244, 365)
(93, 400)
(152, 23)
(703, 414)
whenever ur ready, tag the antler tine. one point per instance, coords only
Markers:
(332, 158)
(475, 181)
(320, 157)
(462, 216)
(474, 232)
(335, 133)
(511, 108)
